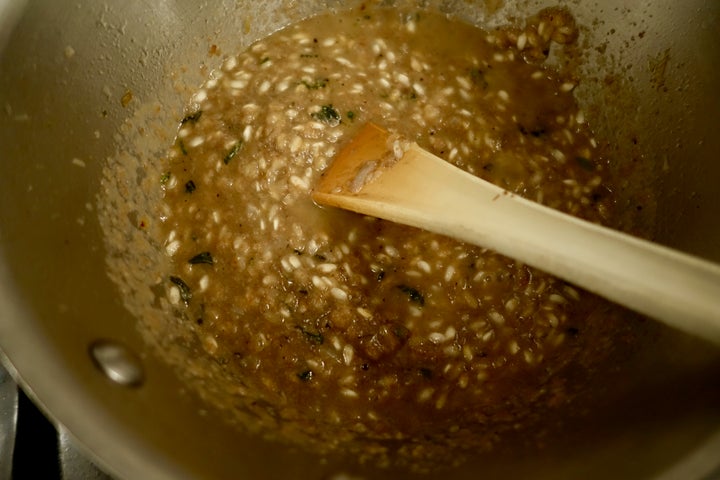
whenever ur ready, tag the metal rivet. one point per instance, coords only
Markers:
(117, 362)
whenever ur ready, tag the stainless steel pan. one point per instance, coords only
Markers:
(65, 67)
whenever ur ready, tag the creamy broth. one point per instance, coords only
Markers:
(354, 334)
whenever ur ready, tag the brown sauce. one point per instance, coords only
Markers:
(354, 334)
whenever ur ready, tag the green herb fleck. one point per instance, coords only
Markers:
(204, 257)
(401, 332)
(413, 294)
(313, 337)
(164, 178)
(585, 163)
(350, 115)
(305, 375)
(536, 132)
(192, 118)
(478, 78)
(308, 55)
(190, 186)
(426, 372)
(185, 293)
(317, 84)
(264, 60)
(233, 151)
(327, 114)
(181, 146)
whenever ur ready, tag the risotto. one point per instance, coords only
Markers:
(348, 333)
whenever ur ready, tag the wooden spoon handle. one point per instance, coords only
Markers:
(424, 191)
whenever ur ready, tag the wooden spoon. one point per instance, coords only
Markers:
(381, 175)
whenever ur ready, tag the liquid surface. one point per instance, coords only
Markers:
(352, 334)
